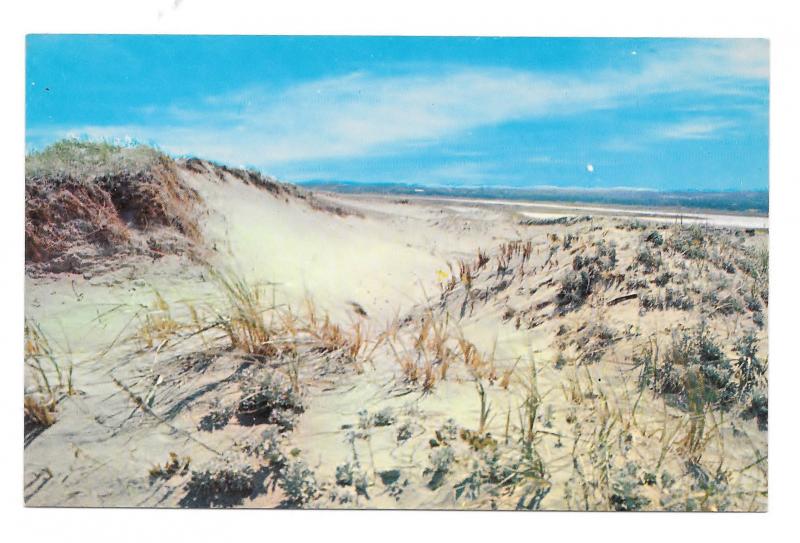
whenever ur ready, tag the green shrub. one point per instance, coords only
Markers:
(749, 368)
(298, 483)
(690, 242)
(758, 409)
(625, 488)
(84, 159)
(655, 238)
(649, 260)
(695, 370)
(441, 459)
(676, 299)
(269, 398)
(663, 278)
(224, 483)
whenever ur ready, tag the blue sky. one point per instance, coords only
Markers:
(521, 112)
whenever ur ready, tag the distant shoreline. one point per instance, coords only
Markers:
(750, 203)
(548, 210)
(602, 208)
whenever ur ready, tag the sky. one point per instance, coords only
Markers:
(665, 114)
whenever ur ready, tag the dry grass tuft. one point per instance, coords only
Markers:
(427, 348)
(50, 380)
(158, 324)
(244, 321)
(39, 415)
(253, 323)
(111, 198)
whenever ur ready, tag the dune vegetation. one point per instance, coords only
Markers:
(205, 336)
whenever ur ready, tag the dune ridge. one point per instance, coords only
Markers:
(327, 350)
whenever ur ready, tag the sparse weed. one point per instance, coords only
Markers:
(750, 369)
(216, 419)
(405, 431)
(440, 459)
(298, 483)
(269, 397)
(157, 324)
(649, 259)
(266, 448)
(52, 383)
(223, 483)
(575, 288)
(690, 242)
(625, 495)
(244, 322)
(39, 416)
(383, 417)
(175, 465)
(663, 278)
(758, 409)
(655, 238)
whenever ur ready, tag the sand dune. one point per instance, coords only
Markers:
(454, 358)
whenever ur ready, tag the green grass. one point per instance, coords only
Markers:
(83, 159)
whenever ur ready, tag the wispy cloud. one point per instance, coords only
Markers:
(696, 129)
(687, 129)
(363, 114)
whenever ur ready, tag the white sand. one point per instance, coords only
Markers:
(389, 260)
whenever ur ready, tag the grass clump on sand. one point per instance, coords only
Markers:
(587, 273)
(690, 242)
(174, 465)
(298, 483)
(266, 330)
(82, 195)
(625, 495)
(85, 159)
(51, 382)
(269, 398)
(427, 348)
(697, 372)
(243, 319)
(39, 415)
(224, 483)
(251, 324)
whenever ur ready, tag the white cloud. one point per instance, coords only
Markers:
(695, 129)
(360, 113)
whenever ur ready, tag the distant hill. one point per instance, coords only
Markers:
(756, 202)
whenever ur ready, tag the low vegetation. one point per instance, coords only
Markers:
(83, 198)
(51, 381)
(584, 367)
(225, 483)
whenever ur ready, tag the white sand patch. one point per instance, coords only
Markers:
(710, 219)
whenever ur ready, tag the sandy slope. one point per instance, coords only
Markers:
(334, 259)
(391, 258)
